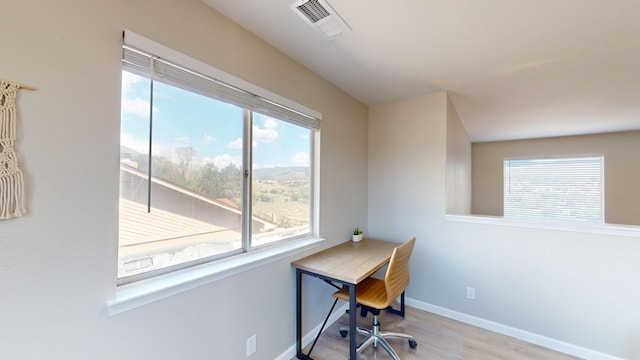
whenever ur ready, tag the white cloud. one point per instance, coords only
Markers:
(208, 139)
(182, 139)
(129, 79)
(270, 124)
(236, 144)
(134, 106)
(301, 158)
(128, 140)
(142, 146)
(268, 134)
(223, 161)
(137, 107)
(164, 150)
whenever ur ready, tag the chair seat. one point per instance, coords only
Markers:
(370, 292)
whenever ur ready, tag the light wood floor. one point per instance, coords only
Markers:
(438, 338)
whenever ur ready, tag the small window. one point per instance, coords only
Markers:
(564, 189)
(207, 170)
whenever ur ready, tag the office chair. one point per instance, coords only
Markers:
(375, 295)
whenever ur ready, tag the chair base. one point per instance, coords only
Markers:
(374, 337)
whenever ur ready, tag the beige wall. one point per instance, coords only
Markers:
(58, 263)
(458, 164)
(403, 166)
(622, 170)
(572, 290)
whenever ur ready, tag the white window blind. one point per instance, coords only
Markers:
(565, 189)
(150, 65)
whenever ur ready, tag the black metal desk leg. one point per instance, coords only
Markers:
(352, 321)
(299, 353)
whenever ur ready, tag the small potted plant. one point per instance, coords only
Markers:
(357, 235)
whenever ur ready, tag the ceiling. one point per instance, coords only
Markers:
(514, 69)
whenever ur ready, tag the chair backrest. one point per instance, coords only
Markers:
(397, 277)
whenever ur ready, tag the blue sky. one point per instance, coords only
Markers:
(212, 128)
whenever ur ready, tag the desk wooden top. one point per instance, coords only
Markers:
(350, 262)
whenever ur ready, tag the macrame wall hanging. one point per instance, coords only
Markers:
(11, 183)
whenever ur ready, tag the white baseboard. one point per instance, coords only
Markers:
(519, 334)
(308, 338)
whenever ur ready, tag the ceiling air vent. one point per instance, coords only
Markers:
(321, 16)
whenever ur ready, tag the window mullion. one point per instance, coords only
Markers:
(246, 179)
(149, 169)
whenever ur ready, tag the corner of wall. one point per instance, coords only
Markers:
(458, 159)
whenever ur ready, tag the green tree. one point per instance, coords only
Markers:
(186, 156)
(165, 169)
(208, 181)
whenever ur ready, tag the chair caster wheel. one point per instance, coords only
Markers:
(413, 344)
(343, 333)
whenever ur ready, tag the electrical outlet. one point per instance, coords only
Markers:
(471, 293)
(251, 345)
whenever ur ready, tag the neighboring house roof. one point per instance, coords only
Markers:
(139, 227)
(140, 230)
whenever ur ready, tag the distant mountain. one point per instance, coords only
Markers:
(282, 173)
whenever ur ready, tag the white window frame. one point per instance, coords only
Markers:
(131, 295)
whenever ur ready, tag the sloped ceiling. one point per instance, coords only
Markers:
(514, 69)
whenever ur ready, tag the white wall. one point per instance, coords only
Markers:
(578, 289)
(58, 263)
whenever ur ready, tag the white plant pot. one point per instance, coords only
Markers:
(356, 238)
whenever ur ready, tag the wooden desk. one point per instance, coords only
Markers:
(348, 264)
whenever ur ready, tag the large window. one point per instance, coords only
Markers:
(208, 170)
(564, 189)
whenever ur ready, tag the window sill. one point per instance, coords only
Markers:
(143, 292)
(603, 229)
